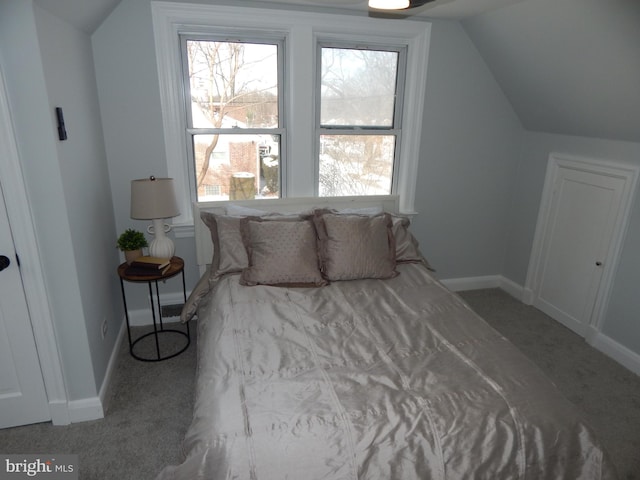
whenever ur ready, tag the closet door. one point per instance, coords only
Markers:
(579, 232)
(23, 398)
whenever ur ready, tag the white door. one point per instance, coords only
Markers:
(579, 232)
(23, 398)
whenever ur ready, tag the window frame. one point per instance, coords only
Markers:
(190, 131)
(301, 31)
(396, 127)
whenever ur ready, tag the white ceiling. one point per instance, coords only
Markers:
(567, 66)
(87, 15)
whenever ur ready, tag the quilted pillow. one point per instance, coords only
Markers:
(229, 254)
(199, 292)
(407, 250)
(280, 252)
(356, 246)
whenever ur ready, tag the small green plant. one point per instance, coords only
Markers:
(131, 239)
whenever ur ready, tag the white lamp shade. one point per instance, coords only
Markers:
(153, 198)
(389, 4)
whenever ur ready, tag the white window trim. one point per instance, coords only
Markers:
(303, 30)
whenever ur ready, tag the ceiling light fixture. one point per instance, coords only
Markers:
(389, 4)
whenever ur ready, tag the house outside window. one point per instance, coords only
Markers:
(233, 134)
(286, 131)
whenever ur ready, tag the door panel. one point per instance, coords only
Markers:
(23, 398)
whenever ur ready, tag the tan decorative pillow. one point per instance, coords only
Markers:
(229, 254)
(406, 244)
(280, 252)
(200, 291)
(356, 246)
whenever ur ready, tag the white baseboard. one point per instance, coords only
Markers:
(472, 283)
(111, 366)
(91, 408)
(85, 409)
(487, 281)
(512, 288)
(620, 353)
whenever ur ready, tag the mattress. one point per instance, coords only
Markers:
(372, 379)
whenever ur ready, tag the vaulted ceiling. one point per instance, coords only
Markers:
(567, 66)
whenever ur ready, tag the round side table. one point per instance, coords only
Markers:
(176, 267)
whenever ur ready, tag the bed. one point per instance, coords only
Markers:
(333, 352)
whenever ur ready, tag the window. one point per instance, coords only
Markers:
(291, 130)
(232, 98)
(360, 93)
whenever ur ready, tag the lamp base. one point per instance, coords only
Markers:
(161, 246)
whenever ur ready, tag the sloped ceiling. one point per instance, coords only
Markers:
(567, 66)
(86, 15)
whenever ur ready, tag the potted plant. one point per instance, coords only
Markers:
(131, 243)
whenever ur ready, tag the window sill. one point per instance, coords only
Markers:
(184, 230)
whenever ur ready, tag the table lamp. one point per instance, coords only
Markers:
(155, 199)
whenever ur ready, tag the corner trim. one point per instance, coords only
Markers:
(85, 409)
(92, 408)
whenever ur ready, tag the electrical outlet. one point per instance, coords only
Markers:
(105, 327)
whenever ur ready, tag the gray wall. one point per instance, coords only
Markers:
(48, 63)
(127, 74)
(571, 69)
(470, 146)
(479, 181)
(621, 321)
(68, 66)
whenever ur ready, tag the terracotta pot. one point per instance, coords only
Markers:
(131, 255)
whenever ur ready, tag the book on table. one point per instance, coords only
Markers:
(148, 266)
(148, 261)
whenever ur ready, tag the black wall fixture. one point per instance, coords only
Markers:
(62, 131)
